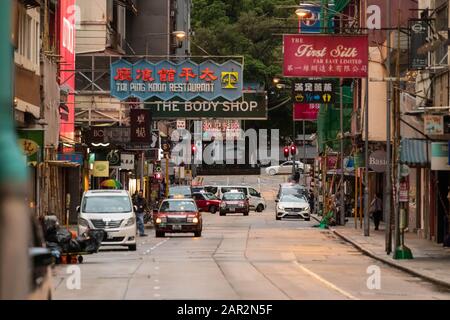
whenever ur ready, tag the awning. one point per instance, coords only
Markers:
(415, 152)
(63, 164)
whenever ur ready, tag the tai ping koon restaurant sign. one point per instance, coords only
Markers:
(186, 80)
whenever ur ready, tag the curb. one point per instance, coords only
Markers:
(388, 261)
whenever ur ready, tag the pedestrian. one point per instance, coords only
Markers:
(141, 204)
(376, 210)
(311, 200)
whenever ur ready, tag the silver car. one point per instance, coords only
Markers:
(285, 168)
(293, 206)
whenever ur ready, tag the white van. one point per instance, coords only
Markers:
(111, 211)
(256, 200)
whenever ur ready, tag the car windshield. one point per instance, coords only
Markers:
(106, 204)
(293, 191)
(177, 190)
(211, 189)
(292, 198)
(210, 196)
(178, 206)
(233, 196)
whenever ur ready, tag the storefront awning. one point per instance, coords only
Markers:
(415, 152)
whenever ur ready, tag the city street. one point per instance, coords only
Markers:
(254, 257)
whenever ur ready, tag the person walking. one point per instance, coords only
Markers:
(376, 210)
(141, 204)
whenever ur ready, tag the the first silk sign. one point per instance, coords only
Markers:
(166, 80)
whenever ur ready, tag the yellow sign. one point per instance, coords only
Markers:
(29, 147)
(229, 79)
(101, 169)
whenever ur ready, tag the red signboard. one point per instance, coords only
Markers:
(307, 55)
(67, 14)
(306, 111)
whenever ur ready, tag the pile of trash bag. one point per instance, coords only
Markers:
(61, 241)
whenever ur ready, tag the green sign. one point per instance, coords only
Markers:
(253, 106)
(31, 143)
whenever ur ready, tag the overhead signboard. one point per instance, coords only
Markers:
(418, 33)
(440, 156)
(127, 161)
(434, 124)
(311, 55)
(140, 120)
(305, 111)
(166, 80)
(31, 142)
(221, 129)
(378, 161)
(253, 106)
(71, 157)
(314, 91)
(101, 169)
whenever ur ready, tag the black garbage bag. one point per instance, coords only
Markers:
(63, 236)
(50, 226)
(55, 249)
(91, 241)
(73, 246)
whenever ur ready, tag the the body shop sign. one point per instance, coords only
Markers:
(187, 80)
(325, 56)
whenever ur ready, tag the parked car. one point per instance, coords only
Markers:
(178, 215)
(112, 211)
(285, 168)
(292, 188)
(256, 200)
(206, 202)
(292, 206)
(234, 202)
(180, 190)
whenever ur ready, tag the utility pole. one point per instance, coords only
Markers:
(342, 194)
(366, 160)
(304, 153)
(388, 189)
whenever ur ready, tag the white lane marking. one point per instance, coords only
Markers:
(325, 282)
(158, 244)
(156, 280)
(157, 295)
(156, 268)
(156, 288)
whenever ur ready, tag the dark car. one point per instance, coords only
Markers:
(234, 202)
(178, 216)
(180, 190)
(206, 202)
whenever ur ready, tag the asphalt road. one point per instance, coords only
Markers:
(237, 257)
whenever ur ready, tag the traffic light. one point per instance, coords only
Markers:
(286, 152)
(293, 150)
(193, 149)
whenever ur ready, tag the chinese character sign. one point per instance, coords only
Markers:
(417, 38)
(166, 80)
(140, 120)
(325, 56)
(314, 91)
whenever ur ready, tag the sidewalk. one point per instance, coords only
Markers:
(431, 261)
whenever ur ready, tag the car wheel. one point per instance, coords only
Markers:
(198, 234)
(132, 247)
(222, 213)
(160, 234)
(307, 219)
(212, 209)
(272, 172)
(259, 208)
(277, 217)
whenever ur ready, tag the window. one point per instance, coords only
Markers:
(254, 193)
(27, 52)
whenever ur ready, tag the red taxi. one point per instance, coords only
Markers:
(234, 202)
(206, 202)
(178, 216)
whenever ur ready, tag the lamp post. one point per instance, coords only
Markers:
(179, 35)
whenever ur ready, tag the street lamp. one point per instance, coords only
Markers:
(180, 35)
(302, 13)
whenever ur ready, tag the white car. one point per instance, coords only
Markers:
(111, 211)
(292, 206)
(285, 168)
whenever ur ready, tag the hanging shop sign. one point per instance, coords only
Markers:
(71, 157)
(440, 156)
(127, 161)
(181, 124)
(166, 80)
(378, 161)
(97, 136)
(310, 23)
(306, 111)
(404, 192)
(100, 169)
(113, 158)
(31, 143)
(418, 33)
(314, 91)
(221, 129)
(140, 121)
(434, 125)
(325, 56)
(253, 106)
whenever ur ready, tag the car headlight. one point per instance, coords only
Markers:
(280, 208)
(83, 222)
(158, 220)
(161, 220)
(192, 220)
(130, 222)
